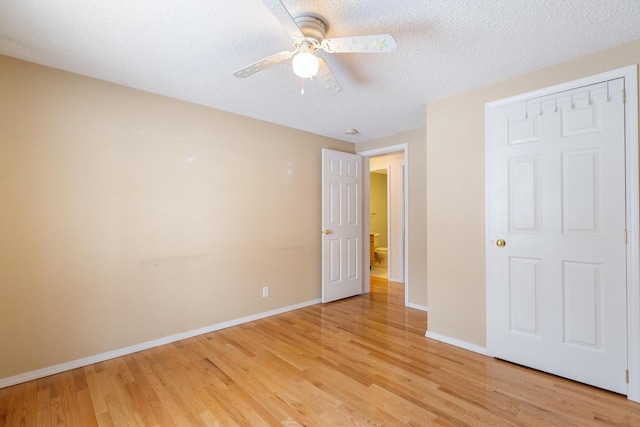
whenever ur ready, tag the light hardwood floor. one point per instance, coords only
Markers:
(357, 362)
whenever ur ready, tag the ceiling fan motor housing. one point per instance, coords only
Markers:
(312, 28)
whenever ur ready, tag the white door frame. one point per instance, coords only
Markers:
(366, 226)
(404, 148)
(630, 74)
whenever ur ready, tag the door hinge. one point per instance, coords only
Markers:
(626, 376)
(626, 240)
(624, 96)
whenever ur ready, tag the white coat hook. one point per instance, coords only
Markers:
(540, 105)
(590, 100)
(608, 99)
(572, 104)
(555, 105)
(526, 109)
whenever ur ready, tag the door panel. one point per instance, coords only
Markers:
(342, 225)
(557, 183)
(582, 302)
(524, 195)
(524, 289)
(581, 192)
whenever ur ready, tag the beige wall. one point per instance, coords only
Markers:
(416, 193)
(128, 217)
(456, 197)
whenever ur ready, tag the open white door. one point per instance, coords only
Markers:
(342, 225)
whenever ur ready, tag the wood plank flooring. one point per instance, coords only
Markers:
(363, 361)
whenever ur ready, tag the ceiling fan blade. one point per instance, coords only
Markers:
(379, 43)
(325, 77)
(282, 14)
(263, 63)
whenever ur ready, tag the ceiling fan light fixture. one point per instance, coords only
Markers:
(305, 65)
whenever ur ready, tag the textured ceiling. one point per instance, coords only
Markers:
(189, 49)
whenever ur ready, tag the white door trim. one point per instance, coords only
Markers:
(630, 74)
(388, 150)
(366, 226)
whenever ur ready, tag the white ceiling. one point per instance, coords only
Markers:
(188, 49)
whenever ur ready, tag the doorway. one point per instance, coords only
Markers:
(392, 160)
(379, 222)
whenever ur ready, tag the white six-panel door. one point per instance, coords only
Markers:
(557, 228)
(342, 225)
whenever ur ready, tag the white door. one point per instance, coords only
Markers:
(556, 179)
(342, 225)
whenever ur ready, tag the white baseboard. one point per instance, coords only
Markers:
(457, 343)
(417, 306)
(52, 370)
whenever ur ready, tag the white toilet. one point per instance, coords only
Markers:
(381, 257)
(380, 253)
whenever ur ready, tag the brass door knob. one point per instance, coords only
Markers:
(501, 243)
(327, 231)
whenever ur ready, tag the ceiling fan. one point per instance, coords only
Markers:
(308, 34)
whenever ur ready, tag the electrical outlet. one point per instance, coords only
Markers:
(265, 291)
